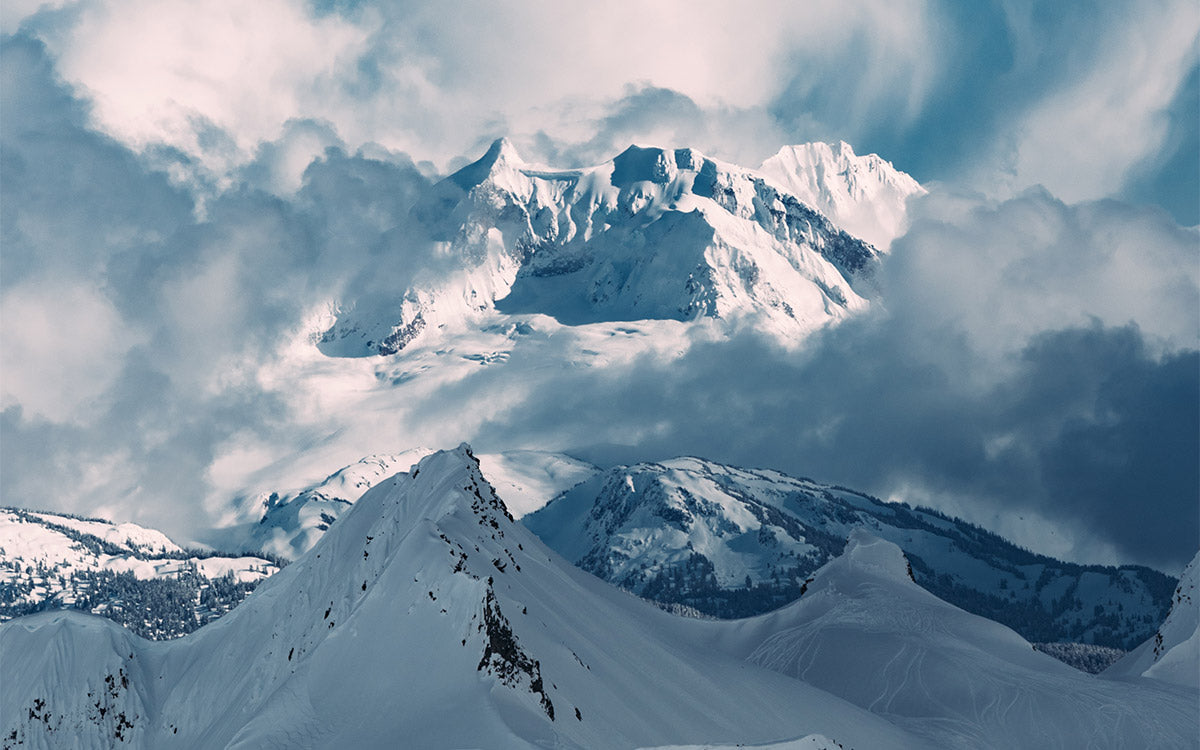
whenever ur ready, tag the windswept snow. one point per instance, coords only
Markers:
(864, 631)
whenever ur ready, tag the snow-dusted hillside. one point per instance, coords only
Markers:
(866, 632)
(133, 575)
(651, 234)
(864, 195)
(426, 617)
(288, 524)
(1173, 653)
(735, 542)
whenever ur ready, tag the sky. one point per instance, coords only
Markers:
(183, 184)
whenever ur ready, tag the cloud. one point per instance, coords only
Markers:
(1081, 97)
(135, 329)
(1108, 113)
(441, 82)
(1004, 271)
(1031, 358)
(62, 349)
(166, 72)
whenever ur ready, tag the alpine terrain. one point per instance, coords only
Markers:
(653, 234)
(733, 542)
(427, 617)
(132, 575)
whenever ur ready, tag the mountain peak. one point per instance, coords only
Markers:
(502, 149)
(653, 164)
(865, 195)
(501, 155)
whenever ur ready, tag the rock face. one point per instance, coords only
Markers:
(733, 542)
(652, 234)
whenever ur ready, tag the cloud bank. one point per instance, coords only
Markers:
(176, 213)
(1088, 99)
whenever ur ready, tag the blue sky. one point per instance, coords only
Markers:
(171, 209)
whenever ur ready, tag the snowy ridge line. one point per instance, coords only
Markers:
(1172, 654)
(427, 613)
(141, 552)
(733, 542)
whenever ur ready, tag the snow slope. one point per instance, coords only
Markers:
(651, 234)
(865, 631)
(425, 618)
(694, 532)
(864, 195)
(1173, 653)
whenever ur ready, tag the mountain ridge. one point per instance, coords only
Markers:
(426, 613)
(651, 234)
(737, 542)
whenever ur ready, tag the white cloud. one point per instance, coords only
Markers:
(1083, 137)
(63, 348)
(168, 71)
(215, 79)
(1003, 272)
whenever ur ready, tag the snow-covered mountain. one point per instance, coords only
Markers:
(427, 618)
(128, 573)
(866, 632)
(864, 195)
(287, 524)
(735, 542)
(651, 234)
(1173, 653)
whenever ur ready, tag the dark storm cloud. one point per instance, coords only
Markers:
(1088, 430)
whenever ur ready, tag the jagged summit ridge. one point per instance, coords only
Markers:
(658, 234)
